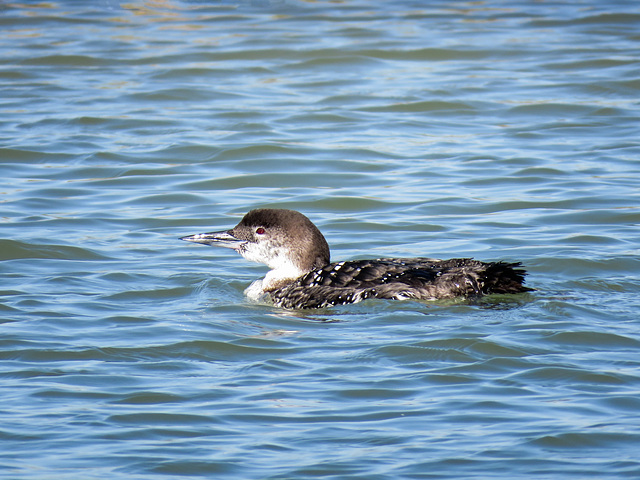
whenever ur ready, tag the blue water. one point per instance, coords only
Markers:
(494, 130)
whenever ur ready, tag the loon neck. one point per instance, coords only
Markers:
(281, 276)
(274, 279)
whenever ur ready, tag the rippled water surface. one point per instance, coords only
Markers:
(493, 130)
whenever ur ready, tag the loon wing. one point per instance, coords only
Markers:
(399, 279)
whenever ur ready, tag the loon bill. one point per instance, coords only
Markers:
(302, 275)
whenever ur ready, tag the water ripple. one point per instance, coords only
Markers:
(488, 131)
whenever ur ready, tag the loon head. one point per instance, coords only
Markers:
(284, 240)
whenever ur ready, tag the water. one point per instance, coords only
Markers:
(494, 130)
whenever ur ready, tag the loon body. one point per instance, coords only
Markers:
(302, 275)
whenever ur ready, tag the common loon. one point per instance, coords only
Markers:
(302, 275)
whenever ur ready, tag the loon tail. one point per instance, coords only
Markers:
(503, 277)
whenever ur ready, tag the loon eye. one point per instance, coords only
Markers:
(260, 231)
